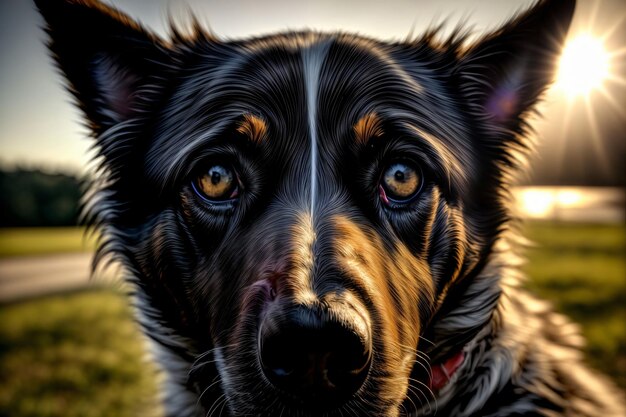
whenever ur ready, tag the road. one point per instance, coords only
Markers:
(31, 276)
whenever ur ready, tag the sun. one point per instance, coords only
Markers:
(588, 90)
(584, 66)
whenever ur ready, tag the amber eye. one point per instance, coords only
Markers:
(400, 182)
(218, 183)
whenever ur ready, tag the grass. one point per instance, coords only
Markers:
(582, 270)
(79, 354)
(43, 241)
(73, 355)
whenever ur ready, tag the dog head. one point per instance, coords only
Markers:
(302, 207)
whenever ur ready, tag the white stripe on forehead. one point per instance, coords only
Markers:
(312, 59)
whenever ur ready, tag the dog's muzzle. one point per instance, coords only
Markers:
(314, 356)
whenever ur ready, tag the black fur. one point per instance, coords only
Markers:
(309, 122)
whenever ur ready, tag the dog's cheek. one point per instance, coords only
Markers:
(217, 270)
(166, 258)
(413, 224)
(433, 231)
(208, 225)
(397, 286)
(447, 249)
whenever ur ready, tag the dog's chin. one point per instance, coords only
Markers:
(267, 401)
(247, 392)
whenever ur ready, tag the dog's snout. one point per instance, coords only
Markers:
(316, 359)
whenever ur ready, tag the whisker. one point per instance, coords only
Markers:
(215, 404)
(223, 405)
(197, 365)
(433, 344)
(411, 391)
(432, 394)
(216, 380)
(210, 351)
(425, 364)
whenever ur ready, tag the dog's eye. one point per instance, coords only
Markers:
(399, 183)
(218, 183)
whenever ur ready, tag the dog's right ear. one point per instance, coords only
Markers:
(110, 61)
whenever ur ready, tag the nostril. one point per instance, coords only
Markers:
(327, 363)
(276, 358)
(348, 362)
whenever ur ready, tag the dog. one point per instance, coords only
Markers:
(318, 224)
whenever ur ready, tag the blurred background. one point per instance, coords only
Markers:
(69, 346)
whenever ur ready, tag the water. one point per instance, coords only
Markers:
(572, 204)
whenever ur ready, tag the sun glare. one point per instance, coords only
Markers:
(584, 66)
(546, 202)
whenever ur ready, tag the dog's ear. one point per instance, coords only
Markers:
(500, 78)
(110, 61)
(503, 74)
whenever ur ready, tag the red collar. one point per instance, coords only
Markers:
(443, 372)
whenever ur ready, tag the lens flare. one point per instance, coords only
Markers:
(584, 65)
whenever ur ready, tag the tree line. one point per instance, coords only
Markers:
(34, 198)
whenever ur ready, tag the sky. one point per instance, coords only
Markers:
(579, 138)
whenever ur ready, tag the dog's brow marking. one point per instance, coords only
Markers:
(368, 127)
(253, 127)
(312, 59)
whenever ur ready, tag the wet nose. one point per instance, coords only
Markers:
(315, 358)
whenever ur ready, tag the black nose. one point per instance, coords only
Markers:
(317, 360)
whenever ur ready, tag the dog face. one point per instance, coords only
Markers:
(301, 207)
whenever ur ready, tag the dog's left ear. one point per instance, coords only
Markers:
(112, 64)
(503, 74)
